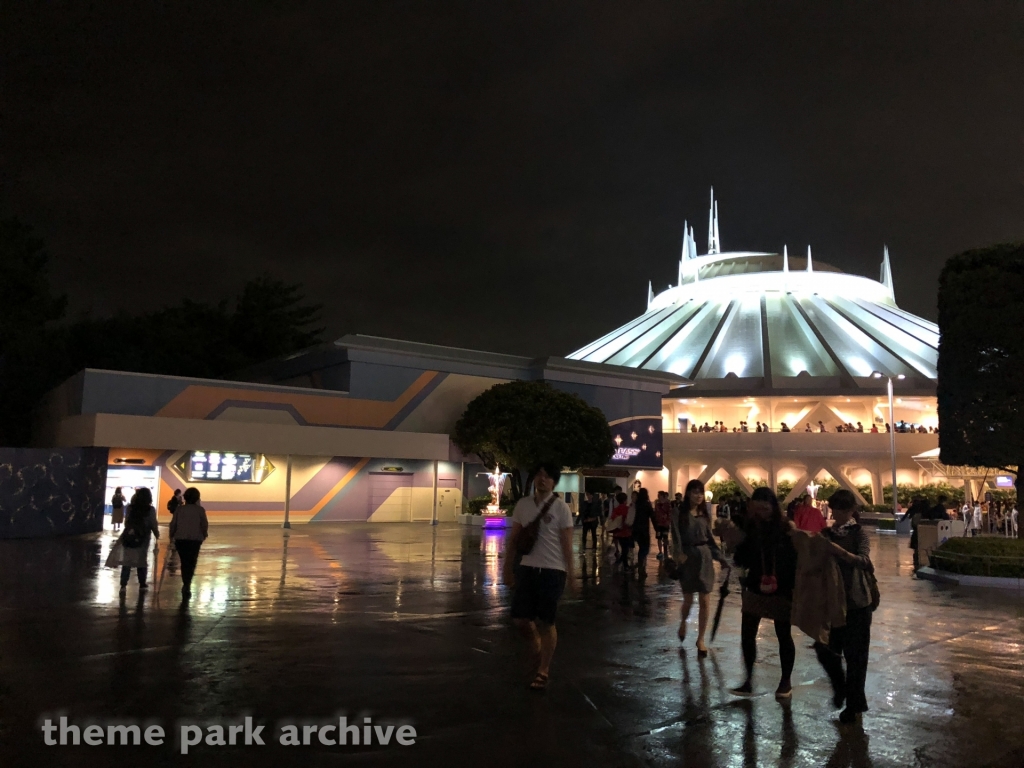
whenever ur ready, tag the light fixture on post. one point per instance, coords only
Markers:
(892, 434)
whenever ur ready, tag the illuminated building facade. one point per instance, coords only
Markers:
(354, 430)
(776, 340)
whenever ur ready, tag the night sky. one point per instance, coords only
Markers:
(502, 176)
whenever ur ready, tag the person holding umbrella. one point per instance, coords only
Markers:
(694, 551)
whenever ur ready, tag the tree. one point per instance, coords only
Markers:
(523, 423)
(271, 319)
(38, 351)
(31, 349)
(25, 296)
(981, 359)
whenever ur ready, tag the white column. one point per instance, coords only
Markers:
(288, 493)
(892, 448)
(433, 517)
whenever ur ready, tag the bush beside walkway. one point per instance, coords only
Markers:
(981, 556)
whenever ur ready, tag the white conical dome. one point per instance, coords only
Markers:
(738, 323)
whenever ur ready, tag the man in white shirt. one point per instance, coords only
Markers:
(541, 576)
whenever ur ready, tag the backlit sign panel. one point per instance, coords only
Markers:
(224, 467)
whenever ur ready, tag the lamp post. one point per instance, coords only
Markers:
(892, 434)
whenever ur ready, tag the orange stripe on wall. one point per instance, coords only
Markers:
(198, 401)
(337, 488)
(307, 514)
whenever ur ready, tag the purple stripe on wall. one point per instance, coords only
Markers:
(413, 404)
(257, 406)
(321, 483)
(350, 503)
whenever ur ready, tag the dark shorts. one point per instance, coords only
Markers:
(536, 593)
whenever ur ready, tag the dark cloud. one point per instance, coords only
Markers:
(503, 176)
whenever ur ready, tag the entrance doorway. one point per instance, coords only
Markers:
(449, 499)
(128, 479)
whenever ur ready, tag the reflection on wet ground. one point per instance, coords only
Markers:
(408, 622)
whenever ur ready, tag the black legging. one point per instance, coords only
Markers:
(852, 641)
(748, 635)
(188, 551)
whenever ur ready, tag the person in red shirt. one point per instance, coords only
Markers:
(807, 518)
(621, 531)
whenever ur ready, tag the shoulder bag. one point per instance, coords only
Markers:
(527, 537)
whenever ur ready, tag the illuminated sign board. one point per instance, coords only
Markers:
(224, 467)
(638, 442)
(1004, 481)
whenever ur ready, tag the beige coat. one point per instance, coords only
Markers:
(819, 598)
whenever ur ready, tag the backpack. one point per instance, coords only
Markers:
(134, 532)
(173, 504)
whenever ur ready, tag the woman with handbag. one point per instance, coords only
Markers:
(694, 551)
(768, 555)
(852, 551)
(131, 550)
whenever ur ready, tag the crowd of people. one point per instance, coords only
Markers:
(901, 427)
(755, 536)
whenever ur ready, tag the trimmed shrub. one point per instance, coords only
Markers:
(477, 504)
(981, 556)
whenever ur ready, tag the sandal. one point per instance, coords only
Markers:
(540, 682)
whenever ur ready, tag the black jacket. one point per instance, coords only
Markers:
(767, 551)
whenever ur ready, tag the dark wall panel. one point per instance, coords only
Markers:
(51, 492)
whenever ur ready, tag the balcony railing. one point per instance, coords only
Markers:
(777, 430)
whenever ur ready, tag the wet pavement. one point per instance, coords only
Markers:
(407, 624)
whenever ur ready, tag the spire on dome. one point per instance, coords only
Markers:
(810, 267)
(713, 244)
(785, 258)
(686, 241)
(718, 237)
(650, 294)
(886, 277)
(693, 245)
